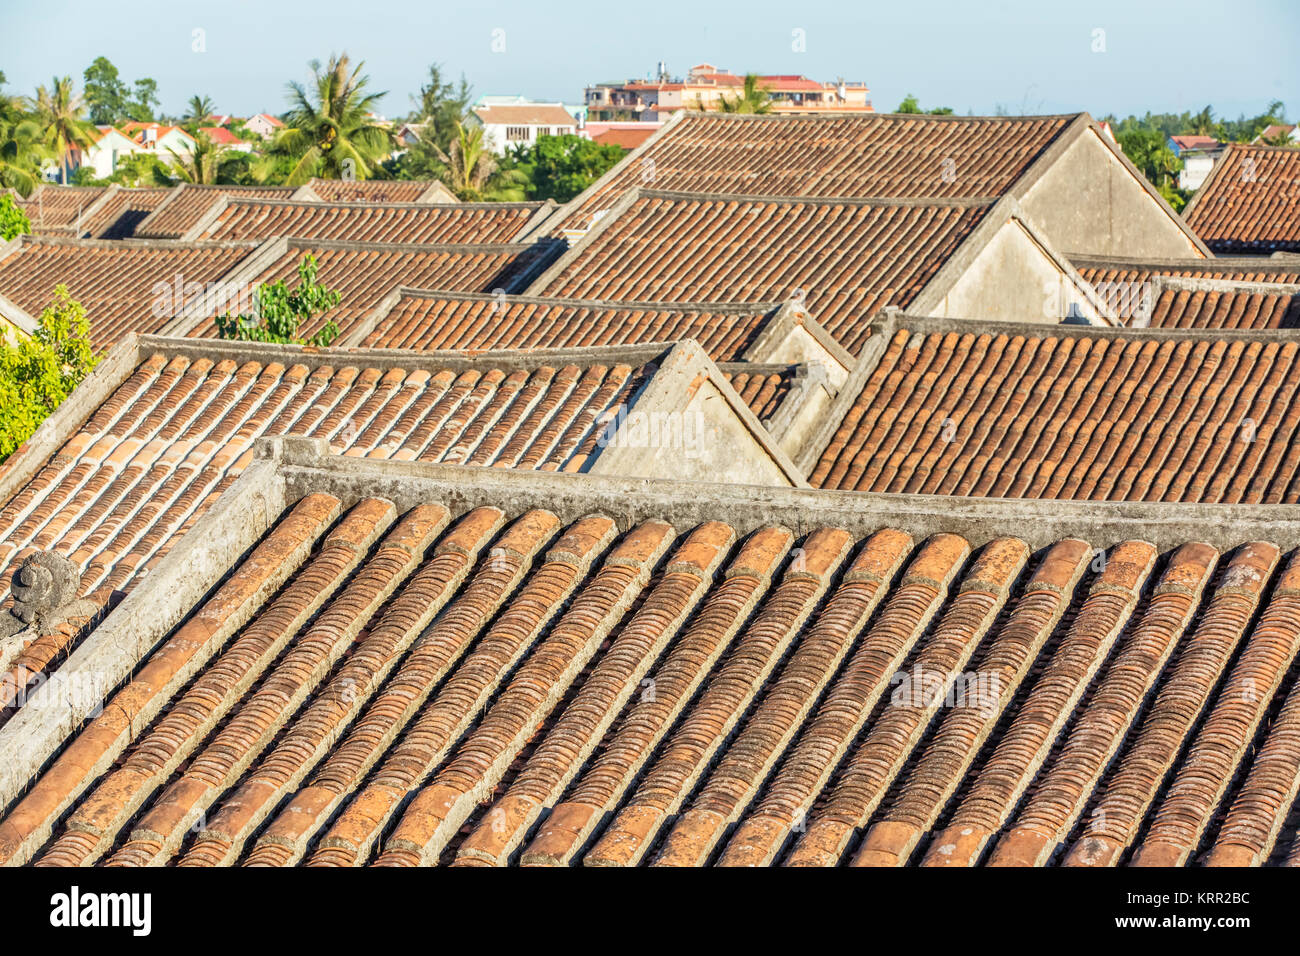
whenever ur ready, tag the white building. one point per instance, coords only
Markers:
(1199, 154)
(263, 124)
(520, 123)
(111, 147)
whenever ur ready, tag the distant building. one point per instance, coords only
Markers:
(110, 147)
(520, 123)
(1271, 133)
(263, 124)
(160, 139)
(1198, 154)
(628, 135)
(705, 86)
(224, 137)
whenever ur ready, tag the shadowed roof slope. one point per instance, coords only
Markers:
(1250, 203)
(126, 286)
(369, 221)
(873, 154)
(1008, 410)
(409, 666)
(847, 259)
(120, 210)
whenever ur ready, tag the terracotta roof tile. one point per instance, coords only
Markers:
(125, 286)
(857, 155)
(188, 203)
(147, 462)
(848, 259)
(438, 320)
(1015, 412)
(476, 684)
(56, 209)
(369, 190)
(369, 221)
(1250, 203)
(365, 273)
(1201, 294)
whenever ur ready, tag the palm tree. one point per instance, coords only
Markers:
(198, 110)
(61, 112)
(471, 171)
(329, 131)
(20, 147)
(207, 163)
(753, 98)
(1203, 123)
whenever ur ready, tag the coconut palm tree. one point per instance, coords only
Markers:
(471, 171)
(61, 112)
(197, 110)
(207, 163)
(20, 147)
(753, 98)
(329, 129)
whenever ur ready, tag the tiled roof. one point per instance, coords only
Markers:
(528, 114)
(1250, 202)
(364, 274)
(368, 221)
(849, 258)
(157, 447)
(118, 212)
(117, 281)
(56, 208)
(844, 155)
(1223, 293)
(372, 190)
(947, 407)
(439, 320)
(188, 203)
(508, 674)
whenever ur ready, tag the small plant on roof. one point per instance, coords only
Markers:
(282, 311)
(38, 372)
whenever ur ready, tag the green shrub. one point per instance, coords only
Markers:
(38, 372)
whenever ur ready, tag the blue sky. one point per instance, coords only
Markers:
(1027, 56)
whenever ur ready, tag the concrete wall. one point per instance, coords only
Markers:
(688, 423)
(1088, 202)
(1013, 279)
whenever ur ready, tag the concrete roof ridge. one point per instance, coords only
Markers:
(1039, 521)
(931, 324)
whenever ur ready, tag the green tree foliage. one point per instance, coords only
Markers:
(13, 221)
(329, 131)
(1149, 151)
(440, 106)
(910, 104)
(144, 103)
(197, 110)
(110, 101)
(470, 170)
(1244, 129)
(753, 98)
(208, 163)
(61, 111)
(560, 167)
(106, 94)
(20, 146)
(282, 311)
(38, 373)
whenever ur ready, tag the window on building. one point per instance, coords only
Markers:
(516, 133)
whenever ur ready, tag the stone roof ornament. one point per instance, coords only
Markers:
(44, 589)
